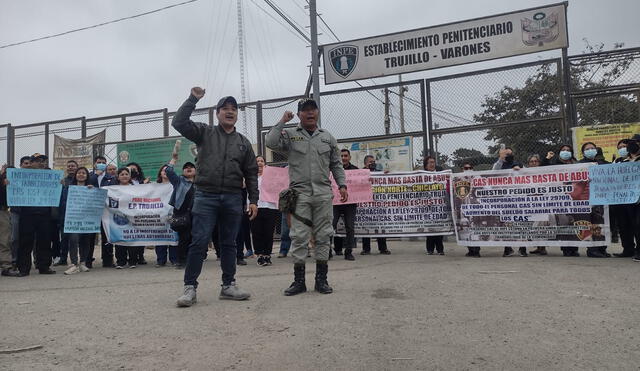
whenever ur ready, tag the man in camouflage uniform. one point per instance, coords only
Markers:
(312, 153)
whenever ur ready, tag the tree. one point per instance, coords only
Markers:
(473, 156)
(539, 98)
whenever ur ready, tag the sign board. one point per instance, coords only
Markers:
(505, 35)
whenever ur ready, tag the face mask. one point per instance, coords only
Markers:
(101, 167)
(622, 152)
(372, 166)
(565, 155)
(590, 153)
(508, 158)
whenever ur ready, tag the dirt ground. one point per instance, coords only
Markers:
(405, 311)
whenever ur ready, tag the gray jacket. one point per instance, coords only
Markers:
(311, 157)
(224, 160)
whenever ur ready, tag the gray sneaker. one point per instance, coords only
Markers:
(189, 297)
(233, 292)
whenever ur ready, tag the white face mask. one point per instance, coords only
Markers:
(565, 155)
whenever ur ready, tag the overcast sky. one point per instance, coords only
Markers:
(151, 62)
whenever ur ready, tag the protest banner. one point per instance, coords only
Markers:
(529, 207)
(405, 205)
(139, 215)
(152, 154)
(392, 154)
(82, 150)
(32, 187)
(84, 209)
(614, 184)
(604, 136)
(276, 179)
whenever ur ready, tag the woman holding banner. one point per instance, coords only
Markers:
(589, 154)
(161, 251)
(79, 243)
(263, 226)
(137, 177)
(433, 242)
(623, 212)
(565, 157)
(126, 254)
(535, 161)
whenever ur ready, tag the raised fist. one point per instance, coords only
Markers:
(197, 92)
(550, 155)
(286, 117)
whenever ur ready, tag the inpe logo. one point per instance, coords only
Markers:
(344, 59)
(541, 29)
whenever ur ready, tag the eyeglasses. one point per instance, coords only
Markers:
(533, 161)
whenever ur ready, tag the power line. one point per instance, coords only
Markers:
(289, 21)
(97, 25)
(304, 37)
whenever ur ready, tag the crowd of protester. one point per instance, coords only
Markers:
(35, 235)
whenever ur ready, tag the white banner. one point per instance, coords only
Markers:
(538, 206)
(520, 32)
(405, 204)
(138, 215)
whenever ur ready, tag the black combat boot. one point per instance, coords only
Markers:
(298, 286)
(322, 286)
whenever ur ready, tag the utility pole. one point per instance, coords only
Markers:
(241, 41)
(315, 60)
(387, 119)
(403, 89)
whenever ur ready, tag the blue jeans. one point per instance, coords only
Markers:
(209, 209)
(285, 240)
(161, 254)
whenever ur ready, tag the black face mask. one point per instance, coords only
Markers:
(508, 158)
(633, 147)
(372, 166)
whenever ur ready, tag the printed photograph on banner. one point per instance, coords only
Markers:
(405, 204)
(138, 215)
(528, 207)
(394, 154)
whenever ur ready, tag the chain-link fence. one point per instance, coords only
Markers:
(473, 115)
(456, 118)
(5, 150)
(605, 87)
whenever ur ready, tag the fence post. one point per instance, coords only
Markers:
(570, 116)
(210, 116)
(83, 127)
(165, 122)
(10, 145)
(123, 128)
(427, 122)
(261, 150)
(46, 139)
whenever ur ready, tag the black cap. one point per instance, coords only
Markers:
(188, 164)
(306, 102)
(39, 156)
(636, 137)
(225, 100)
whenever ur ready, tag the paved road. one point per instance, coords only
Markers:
(406, 311)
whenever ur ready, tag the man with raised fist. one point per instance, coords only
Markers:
(225, 159)
(312, 153)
